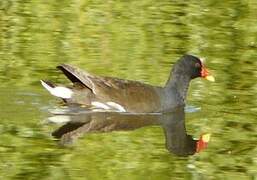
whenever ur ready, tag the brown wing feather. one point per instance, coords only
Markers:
(76, 75)
(133, 95)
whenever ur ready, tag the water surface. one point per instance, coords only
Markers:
(137, 40)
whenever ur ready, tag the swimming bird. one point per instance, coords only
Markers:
(115, 94)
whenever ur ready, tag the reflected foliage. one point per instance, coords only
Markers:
(137, 40)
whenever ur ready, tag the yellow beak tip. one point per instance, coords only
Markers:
(210, 78)
(206, 137)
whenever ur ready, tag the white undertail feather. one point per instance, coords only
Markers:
(58, 91)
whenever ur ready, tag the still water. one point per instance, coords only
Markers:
(137, 40)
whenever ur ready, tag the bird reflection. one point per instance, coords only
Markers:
(172, 122)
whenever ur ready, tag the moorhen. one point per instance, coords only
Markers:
(114, 94)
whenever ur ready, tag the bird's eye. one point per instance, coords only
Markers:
(197, 65)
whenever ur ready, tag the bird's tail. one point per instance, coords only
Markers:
(58, 91)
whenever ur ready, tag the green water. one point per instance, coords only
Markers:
(137, 40)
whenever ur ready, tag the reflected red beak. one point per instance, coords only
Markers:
(202, 143)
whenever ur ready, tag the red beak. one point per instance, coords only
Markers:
(206, 75)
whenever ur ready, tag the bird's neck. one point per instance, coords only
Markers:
(179, 83)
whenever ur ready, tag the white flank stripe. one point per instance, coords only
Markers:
(108, 106)
(116, 106)
(61, 92)
(100, 105)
